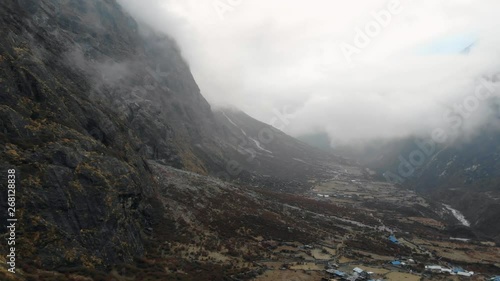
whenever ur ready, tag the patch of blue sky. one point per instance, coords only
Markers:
(448, 45)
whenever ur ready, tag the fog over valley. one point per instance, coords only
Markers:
(249, 140)
(356, 72)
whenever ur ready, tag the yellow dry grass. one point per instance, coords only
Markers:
(306, 266)
(399, 276)
(289, 275)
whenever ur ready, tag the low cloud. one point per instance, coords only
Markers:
(261, 56)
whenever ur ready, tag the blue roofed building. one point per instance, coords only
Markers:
(393, 239)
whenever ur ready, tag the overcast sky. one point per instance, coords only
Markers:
(308, 58)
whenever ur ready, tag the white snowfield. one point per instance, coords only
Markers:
(459, 216)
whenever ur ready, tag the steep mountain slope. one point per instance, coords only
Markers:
(464, 174)
(87, 95)
(83, 189)
(113, 145)
(467, 177)
(261, 154)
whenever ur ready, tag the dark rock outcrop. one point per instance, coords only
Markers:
(86, 97)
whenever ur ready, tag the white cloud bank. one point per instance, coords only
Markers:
(264, 55)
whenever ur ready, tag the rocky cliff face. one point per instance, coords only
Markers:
(86, 97)
(85, 189)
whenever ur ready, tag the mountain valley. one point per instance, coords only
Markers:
(126, 172)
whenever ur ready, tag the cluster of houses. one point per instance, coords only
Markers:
(358, 274)
(431, 268)
(452, 271)
(401, 263)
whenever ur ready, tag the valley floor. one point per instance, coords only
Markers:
(213, 230)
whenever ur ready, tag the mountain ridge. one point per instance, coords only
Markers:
(125, 172)
(87, 97)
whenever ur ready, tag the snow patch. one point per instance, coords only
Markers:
(231, 121)
(459, 216)
(257, 143)
(460, 239)
(472, 168)
(300, 160)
